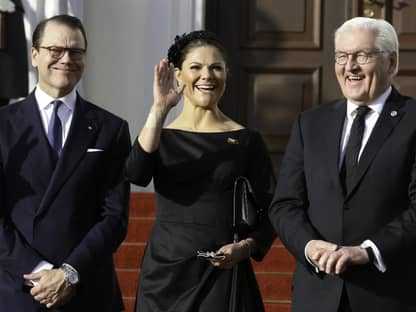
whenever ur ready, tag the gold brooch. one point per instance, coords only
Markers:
(232, 141)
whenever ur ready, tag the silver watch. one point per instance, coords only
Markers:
(71, 275)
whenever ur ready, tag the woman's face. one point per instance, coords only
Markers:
(204, 73)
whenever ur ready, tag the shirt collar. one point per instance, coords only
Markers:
(45, 99)
(376, 105)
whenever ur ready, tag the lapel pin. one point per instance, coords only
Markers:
(232, 141)
(90, 127)
(393, 113)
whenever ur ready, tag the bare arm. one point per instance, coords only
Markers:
(165, 96)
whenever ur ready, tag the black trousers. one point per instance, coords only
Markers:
(344, 304)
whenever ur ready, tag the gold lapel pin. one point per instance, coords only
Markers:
(232, 141)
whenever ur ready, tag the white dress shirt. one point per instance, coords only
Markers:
(65, 111)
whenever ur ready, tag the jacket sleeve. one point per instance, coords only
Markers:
(140, 165)
(111, 227)
(288, 211)
(397, 239)
(16, 255)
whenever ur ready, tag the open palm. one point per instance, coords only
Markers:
(165, 95)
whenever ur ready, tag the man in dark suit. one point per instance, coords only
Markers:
(63, 199)
(345, 204)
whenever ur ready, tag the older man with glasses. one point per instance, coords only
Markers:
(345, 204)
(63, 198)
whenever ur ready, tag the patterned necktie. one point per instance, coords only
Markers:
(353, 147)
(55, 130)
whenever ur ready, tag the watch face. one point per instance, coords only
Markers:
(71, 275)
(73, 278)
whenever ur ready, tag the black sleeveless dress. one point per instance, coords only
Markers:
(193, 176)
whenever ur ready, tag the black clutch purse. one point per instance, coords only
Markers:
(246, 214)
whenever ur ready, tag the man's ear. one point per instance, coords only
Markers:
(34, 55)
(393, 62)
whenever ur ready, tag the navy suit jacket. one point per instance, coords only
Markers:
(77, 213)
(310, 203)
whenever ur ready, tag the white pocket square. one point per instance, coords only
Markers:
(92, 150)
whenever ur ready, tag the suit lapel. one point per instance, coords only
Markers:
(83, 131)
(389, 118)
(34, 140)
(334, 127)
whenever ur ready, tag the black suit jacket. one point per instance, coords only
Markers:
(309, 203)
(77, 213)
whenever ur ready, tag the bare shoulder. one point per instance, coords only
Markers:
(233, 125)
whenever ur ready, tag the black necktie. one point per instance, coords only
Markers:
(55, 130)
(353, 147)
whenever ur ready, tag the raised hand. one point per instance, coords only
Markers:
(165, 95)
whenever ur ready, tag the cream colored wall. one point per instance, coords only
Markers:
(126, 38)
(114, 76)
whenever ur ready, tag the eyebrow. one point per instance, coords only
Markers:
(198, 63)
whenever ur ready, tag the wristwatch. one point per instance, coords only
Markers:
(71, 275)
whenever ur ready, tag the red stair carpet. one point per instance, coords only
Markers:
(274, 273)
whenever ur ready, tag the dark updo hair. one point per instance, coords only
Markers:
(198, 38)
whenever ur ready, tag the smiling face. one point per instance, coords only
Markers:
(204, 74)
(362, 84)
(57, 77)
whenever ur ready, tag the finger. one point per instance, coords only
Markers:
(42, 298)
(32, 276)
(215, 263)
(156, 74)
(341, 264)
(315, 255)
(41, 295)
(36, 290)
(164, 71)
(331, 263)
(322, 261)
(52, 304)
(171, 71)
(54, 300)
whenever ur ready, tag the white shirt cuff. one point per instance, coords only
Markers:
(378, 259)
(309, 260)
(43, 265)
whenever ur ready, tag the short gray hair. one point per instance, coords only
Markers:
(386, 36)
